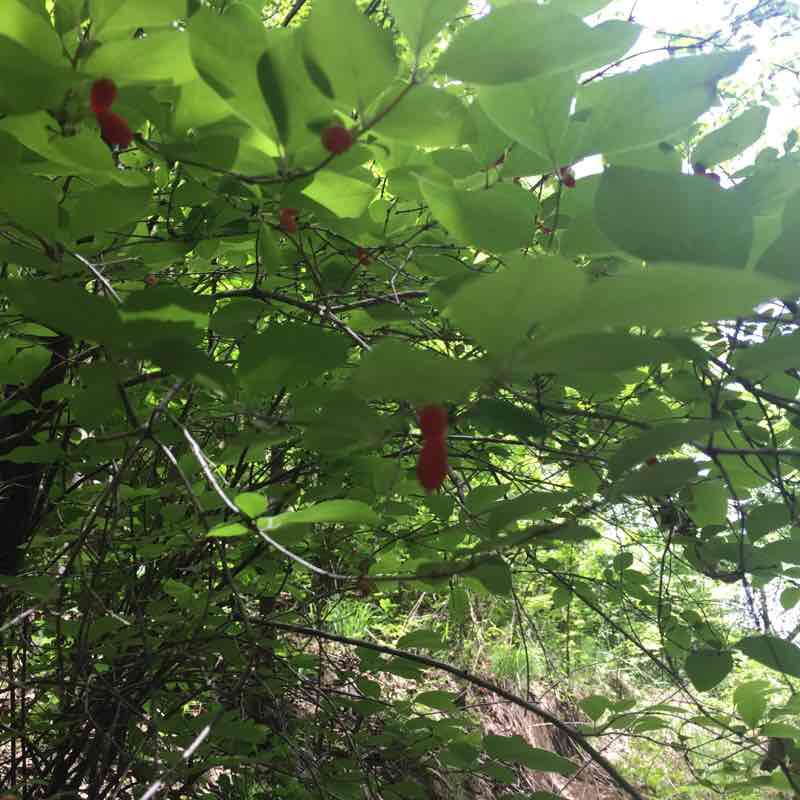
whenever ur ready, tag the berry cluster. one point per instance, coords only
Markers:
(432, 463)
(567, 175)
(337, 139)
(113, 128)
(288, 220)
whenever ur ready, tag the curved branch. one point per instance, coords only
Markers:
(578, 738)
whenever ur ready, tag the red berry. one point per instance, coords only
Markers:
(102, 95)
(652, 461)
(114, 129)
(432, 463)
(337, 139)
(432, 421)
(362, 256)
(567, 177)
(288, 217)
(151, 279)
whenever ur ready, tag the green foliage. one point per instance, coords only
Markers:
(219, 570)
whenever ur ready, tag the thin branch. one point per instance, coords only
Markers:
(298, 4)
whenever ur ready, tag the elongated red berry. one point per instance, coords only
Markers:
(114, 129)
(567, 177)
(432, 421)
(288, 218)
(432, 463)
(362, 256)
(102, 95)
(337, 139)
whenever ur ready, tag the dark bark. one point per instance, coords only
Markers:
(20, 484)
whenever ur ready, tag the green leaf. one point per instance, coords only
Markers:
(662, 217)
(427, 117)
(21, 362)
(356, 57)
(252, 504)
(611, 40)
(779, 258)
(515, 748)
(772, 652)
(647, 106)
(440, 505)
(707, 669)
(565, 533)
(108, 208)
(405, 790)
(534, 112)
(780, 730)
(174, 307)
(423, 639)
(662, 439)
(228, 530)
(292, 87)
(766, 518)
(526, 506)
(394, 369)
(226, 50)
(499, 416)
(487, 142)
(709, 504)
(595, 706)
(289, 355)
(29, 82)
(46, 453)
(771, 182)
(64, 307)
(584, 478)
(597, 352)
(731, 139)
(344, 511)
(272, 92)
(120, 16)
(498, 310)
(668, 296)
(180, 357)
(661, 157)
(516, 42)
(31, 203)
(750, 699)
(778, 353)
(622, 561)
(498, 219)
(345, 196)
(441, 701)
(494, 574)
(237, 318)
(420, 20)
(159, 56)
(790, 598)
(31, 30)
(657, 480)
(268, 249)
